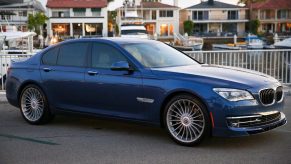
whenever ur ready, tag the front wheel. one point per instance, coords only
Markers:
(34, 106)
(187, 120)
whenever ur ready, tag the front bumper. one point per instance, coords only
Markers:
(263, 126)
(236, 128)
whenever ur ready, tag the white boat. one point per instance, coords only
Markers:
(16, 35)
(283, 44)
(20, 44)
(194, 43)
(254, 42)
(134, 31)
(225, 47)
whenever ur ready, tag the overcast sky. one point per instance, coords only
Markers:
(182, 3)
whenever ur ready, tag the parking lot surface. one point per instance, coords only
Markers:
(71, 139)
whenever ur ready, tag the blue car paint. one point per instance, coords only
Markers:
(114, 93)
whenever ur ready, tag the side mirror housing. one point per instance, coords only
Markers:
(121, 66)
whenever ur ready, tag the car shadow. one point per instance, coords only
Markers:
(160, 136)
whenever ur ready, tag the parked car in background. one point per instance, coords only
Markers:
(145, 81)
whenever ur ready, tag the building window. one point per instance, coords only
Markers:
(229, 27)
(171, 30)
(200, 15)
(164, 30)
(154, 14)
(150, 27)
(267, 14)
(79, 12)
(62, 30)
(6, 17)
(232, 15)
(166, 13)
(77, 30)
(282, 14)
(22, 13)
(96, 12)
(93, 29)
(61, 14)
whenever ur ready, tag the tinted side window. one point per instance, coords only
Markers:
(103, 56)
(73, 54)
(50, 57)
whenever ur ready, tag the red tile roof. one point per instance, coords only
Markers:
(272, 4)
(76, 3)
(156, 5)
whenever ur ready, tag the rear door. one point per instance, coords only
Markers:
(62, 73)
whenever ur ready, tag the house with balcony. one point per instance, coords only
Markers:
(214, 18)
(158, 18)
(274, 15)
(15, 13)
(82, 18)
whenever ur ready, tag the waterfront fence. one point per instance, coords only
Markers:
(275, 62)
(5, 62)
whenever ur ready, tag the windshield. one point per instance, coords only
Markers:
(133, 32)
(158, 55)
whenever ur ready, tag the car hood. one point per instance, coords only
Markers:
(219, 75)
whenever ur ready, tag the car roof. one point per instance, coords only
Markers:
(117, 40)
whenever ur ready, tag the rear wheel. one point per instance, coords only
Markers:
(34, 106)
(187, 120)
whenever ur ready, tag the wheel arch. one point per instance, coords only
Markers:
(26, 83)
(176, 93)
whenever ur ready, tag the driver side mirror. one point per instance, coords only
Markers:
(121, 66)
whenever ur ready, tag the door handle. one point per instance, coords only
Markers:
(92, 73)
(47, 69)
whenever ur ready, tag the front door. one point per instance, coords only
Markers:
(110, 92)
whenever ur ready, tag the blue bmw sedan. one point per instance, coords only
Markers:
(145, 81)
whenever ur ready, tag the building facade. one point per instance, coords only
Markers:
(82, 18)
(213, 18)
(274, 15)
(158, 18)
(15, 13)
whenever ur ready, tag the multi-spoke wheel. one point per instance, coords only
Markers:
(33, 105)
(186, 120)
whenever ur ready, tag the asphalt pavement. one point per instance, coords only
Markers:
(80, 140)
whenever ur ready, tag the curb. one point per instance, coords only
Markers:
(3, 97)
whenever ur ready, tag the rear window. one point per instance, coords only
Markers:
(73, 54)
(50, 57)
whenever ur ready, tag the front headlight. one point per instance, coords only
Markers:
(233, 94)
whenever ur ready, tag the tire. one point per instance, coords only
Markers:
(186, 120)
(34, 106)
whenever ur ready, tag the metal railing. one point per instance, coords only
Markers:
(276, 63)
(5, 62)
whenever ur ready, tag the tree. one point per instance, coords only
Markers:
(188, 27)
(254, 26)
(35, 22)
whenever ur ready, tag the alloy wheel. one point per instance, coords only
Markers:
(185, 120)
(32, 104)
